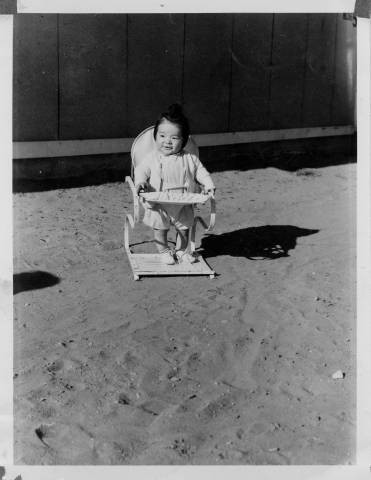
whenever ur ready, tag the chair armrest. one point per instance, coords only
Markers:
(212, 214)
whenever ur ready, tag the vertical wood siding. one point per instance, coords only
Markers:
(344, 83)
(35, 72)
(154, 68)
(108, 76)
(287, 70)
(320, 70)
(92, 76)
(207, 67)
(251, 70)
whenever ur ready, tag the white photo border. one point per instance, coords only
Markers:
(363, 464)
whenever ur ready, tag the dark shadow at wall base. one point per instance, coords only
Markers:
(91, 178)
(289, 155)
(42, 174)
(290, 162)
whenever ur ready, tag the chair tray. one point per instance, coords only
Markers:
(175, 198)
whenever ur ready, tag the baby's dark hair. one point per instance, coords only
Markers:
(174, 114)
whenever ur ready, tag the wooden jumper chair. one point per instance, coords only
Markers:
(150, 264)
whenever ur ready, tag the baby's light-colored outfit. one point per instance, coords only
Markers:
(182, 172)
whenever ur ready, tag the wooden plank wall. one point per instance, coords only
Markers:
(35, 78)
(251, 72)
(155, 67)
(207, 64)
(92, 76)
(320, 70)
(288, 71)
(109, 76)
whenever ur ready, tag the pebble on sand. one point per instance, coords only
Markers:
(338, 375)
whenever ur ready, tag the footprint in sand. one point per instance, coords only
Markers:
(55, 366)
(214, 408)
(123, 399)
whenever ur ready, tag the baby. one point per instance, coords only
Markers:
(170, 168)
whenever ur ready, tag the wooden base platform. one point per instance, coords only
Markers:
(147, 264)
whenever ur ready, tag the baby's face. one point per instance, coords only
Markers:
(169, 138)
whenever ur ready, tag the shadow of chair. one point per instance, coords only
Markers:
(255, 243)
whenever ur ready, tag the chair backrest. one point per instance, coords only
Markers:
(145, 143)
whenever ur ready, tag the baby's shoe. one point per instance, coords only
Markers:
(183, 256)
(167, 257)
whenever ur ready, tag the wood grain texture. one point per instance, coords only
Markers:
(251, 56)
(287, 70)
(35, 78)
(155, 65)
(345, 80)
(8, 7)
(110, 76)
(319, 70)
(93, 76)
(207, 71)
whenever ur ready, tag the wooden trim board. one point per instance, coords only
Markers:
(72, 148)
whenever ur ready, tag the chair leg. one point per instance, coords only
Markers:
(135, 199)
(192, 236)
(129, 223)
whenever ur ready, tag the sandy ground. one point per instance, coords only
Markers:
(189, 370)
